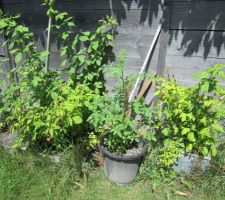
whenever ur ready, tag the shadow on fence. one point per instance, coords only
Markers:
(194, 24)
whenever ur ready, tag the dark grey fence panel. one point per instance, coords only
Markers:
(184, 67)
(198, 15)
(197, 44)
(138, 21)
(196, 38)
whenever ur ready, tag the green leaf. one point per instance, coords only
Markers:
(81, 58)
(191, 137)
(22, 29)
(157, 92)
(64, 51)
(3, 24)
(221, 74)
(183, 117)
(92, 37)
(95, 45)
(204, 151)
(11, 45)
(213, 151)
(69, 107)
(63, 63)
(61, 15)
(75, 41)
(71, 24)
(165, 131)
(98, 62)
(54, 95)
(203, 121)
(205, 87)
(175, 129)
(65, 35)
(35, 81)
(109, 37)
(18, 57)
(43, 54)
(77, 120)
(204, 75)
(87, 33)
(185, 131)
(83, 38)
(188, 148)
(70, 121)
(90, 77)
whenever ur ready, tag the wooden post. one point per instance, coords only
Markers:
(163, 41)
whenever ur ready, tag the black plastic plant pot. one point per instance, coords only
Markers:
(122, 169)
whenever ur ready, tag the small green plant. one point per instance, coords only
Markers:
(52, 105)
(152, 170)
(190, 116)
(121, 123)
(169, 152)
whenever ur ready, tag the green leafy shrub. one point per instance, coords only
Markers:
(190, 116)
(58, 123)
(42, 104)
(121, 123)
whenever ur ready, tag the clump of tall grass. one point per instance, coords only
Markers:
(214, 178)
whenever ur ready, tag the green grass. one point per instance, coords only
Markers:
(32, 176)
(20, 178)
(99, 188)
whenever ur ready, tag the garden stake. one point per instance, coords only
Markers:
(145, 63)
(146, 86)
(48, 43)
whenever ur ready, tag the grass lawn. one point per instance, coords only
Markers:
(98, 187)
(31, 176)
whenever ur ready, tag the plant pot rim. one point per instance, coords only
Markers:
(196, 155)
(106, 152)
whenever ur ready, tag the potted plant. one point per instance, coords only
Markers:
(123, 127)
(189, 119)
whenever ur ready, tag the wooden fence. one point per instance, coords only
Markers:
(192, 36)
